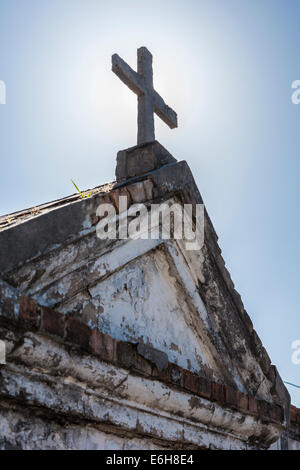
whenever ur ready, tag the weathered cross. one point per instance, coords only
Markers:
(149, 101)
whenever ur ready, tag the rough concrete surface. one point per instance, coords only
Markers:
(169, 304)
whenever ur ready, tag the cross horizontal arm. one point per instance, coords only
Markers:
(132, 79)
(165, 113)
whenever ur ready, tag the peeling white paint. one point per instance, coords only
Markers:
(89, 389)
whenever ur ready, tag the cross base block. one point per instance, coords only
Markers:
(141, 159)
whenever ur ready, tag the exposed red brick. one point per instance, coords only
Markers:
(218, 392)
(78, 333)
(196, 384)
(143, 366)
(110, 347)
(102, 199)
(252, 403)
(114, 195)
(293, 414)
(126, 354)
(190, 381)
(29, 312)
(137, 192)
(162, 375)
(176, 374)
(242, 401)
(204, 387)
(148, 186)
(96, 343)
(52, 322)
(103, 345)
(231, 396)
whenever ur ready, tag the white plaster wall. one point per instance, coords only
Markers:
(143, 302)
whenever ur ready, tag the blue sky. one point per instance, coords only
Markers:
(226, 67)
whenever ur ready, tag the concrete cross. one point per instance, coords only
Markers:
(149, 101)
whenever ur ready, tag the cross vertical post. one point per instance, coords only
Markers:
(145, 100)
(149, 101)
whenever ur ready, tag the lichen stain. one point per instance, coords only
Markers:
(194, 402)
(174, 347)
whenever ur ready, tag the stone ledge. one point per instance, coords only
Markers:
(104, 395)
(33, 317)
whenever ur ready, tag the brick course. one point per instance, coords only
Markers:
(125, 355)
(295, 415)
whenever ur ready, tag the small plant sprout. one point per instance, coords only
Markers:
(83, 195)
